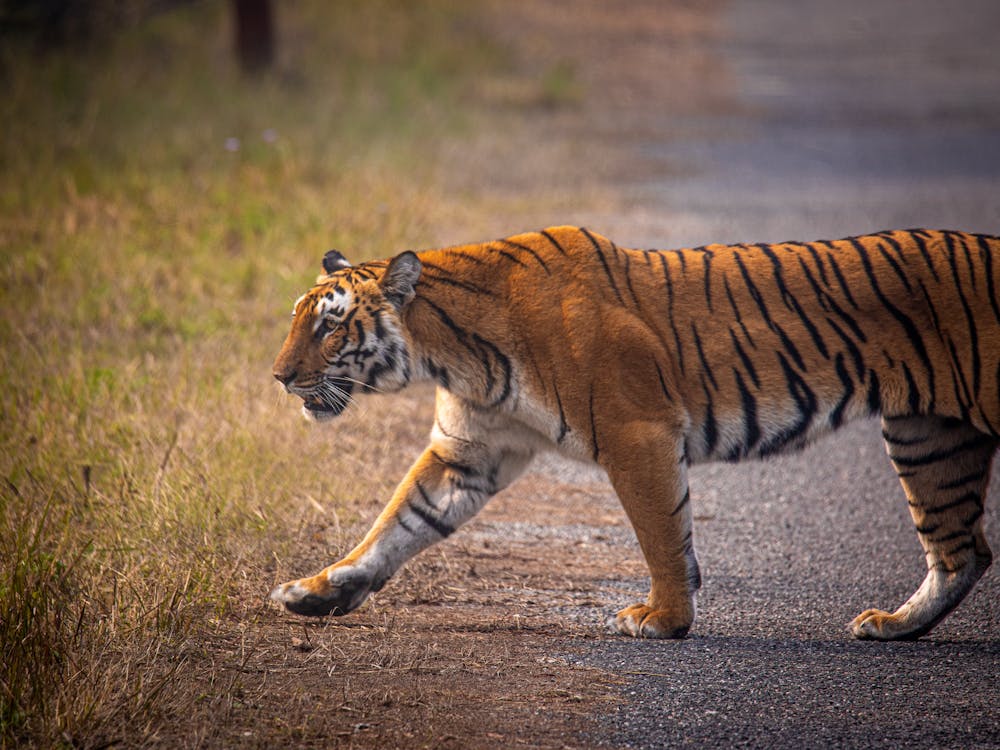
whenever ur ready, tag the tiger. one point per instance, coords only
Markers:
(645, 362)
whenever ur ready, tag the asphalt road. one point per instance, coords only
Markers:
(854, 116)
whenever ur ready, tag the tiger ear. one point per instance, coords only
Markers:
(400, 279)
(334, 261)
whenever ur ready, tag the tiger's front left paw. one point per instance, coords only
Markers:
(335, 592)
(641, 621)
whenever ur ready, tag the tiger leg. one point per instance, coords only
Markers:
(944, 467)
(649, 474)
(448, 484)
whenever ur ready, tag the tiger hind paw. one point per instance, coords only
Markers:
(641, 621)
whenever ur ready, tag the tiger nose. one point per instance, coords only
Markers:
(285, 377)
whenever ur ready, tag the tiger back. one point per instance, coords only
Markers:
(645, 362)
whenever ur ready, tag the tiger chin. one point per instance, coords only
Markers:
(645, 362)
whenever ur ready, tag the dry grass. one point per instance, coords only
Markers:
(153, 480)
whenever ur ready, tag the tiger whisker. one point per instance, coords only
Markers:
(363, 384)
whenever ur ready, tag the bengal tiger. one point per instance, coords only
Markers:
(645, 362)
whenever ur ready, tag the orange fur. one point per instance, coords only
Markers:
(647, 361)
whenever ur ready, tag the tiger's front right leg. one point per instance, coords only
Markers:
(450, 482)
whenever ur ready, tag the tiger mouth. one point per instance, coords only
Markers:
(331, 406)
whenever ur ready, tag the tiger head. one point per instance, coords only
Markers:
(347, 334)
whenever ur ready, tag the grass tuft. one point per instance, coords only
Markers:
(158, 215)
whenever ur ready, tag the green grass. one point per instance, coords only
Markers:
(151, 476)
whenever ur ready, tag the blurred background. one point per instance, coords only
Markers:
(171, 174)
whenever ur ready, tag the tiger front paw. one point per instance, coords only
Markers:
(876, 625)
(642, 621)
(335, 591)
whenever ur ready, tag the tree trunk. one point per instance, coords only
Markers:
(254, 34)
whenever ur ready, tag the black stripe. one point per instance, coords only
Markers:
(895, 267)
(894, 246)
(747, 363)
(844, 286)
(979, 441)
(710, 430)
(791, 302)
(908, 326)
(811, 249)
(443, 431)
(736, 311)
(478, 260)
(681, 505)
(663, 385)
(349, 316)
(922, 247)
(504, 363)
(439, 374)
(852, 348)
(457, 283)
(960, 237)
(481, 348)
(755, 294)
(874, 397)
(927, 529)
(975, 516)
(903, 441)
(604, 264)
(930, 307)
(463, 469)
(670, 312)
(751, 427)
(405, 526)
(986, 253)
(443, 529)
(534, 365)
(970, 319)
(846, 318)
(960, 548)
(968, 497)
(512, 258)
(821, 296)
(779, 276)
(913, 391)
(706, 259)
(953, 535)
(563, 427)
(359, 327)
(805, 401)
(706, 368)
(975, 476)
(790, 347)
(628, 276)
(837, 415)
(681, 258)
(555, 244)
(962, 394)
(531, 251)
(424, 496)
(758, 298)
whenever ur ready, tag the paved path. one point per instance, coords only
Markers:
(851, 116)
